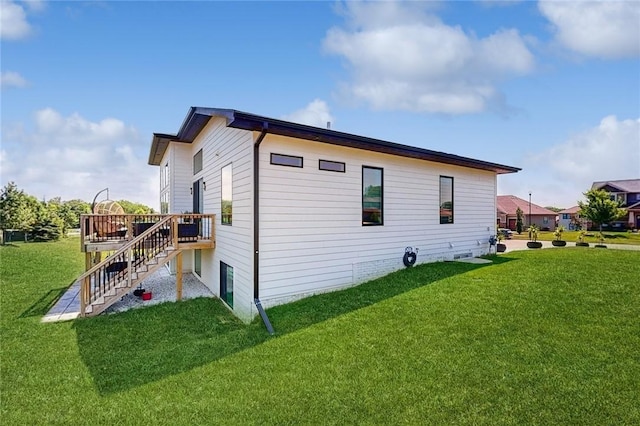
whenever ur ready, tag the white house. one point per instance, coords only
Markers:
(303, 210)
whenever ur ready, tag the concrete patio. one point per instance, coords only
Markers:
(161, 284)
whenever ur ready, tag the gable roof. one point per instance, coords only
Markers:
(198, 117)
(508, 204)
(626, 185)
(570, 210)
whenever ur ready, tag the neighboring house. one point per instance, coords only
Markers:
(302, 210)
(533, 214)
(627, 192)
(571, 220)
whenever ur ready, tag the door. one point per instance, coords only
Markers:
(198, 207)
(512, 224)
(198, 196)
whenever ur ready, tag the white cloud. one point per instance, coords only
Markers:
(559, 175)
(72, 157)
(36, 5)
(13, 20)
(609, 151)
(402, 57)
(603, 29)
(316, 113)
(11, 79)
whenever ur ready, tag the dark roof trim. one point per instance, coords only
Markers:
(199, 117)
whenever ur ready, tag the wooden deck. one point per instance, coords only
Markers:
(135, 246)
(104, 233)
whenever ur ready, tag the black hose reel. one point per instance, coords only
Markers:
(410, 257)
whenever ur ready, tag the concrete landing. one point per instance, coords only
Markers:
(476, 260)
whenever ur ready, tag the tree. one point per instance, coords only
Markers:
(47, 230)
(519, 220)
(554, 209)
(71, 211)
(130, 207)
(599, 208)
(16, 208)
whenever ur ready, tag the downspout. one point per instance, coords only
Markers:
(256, 229)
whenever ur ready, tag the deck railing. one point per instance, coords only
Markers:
(107, 228)
(148, 242)
(115, 274)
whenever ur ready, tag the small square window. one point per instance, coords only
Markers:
(286, 160)
(332, 166)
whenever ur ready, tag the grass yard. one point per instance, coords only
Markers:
(537, 337)
(592, 237)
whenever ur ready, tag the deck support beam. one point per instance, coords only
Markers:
(179, 276)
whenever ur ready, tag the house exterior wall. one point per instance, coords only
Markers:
(565, 220)
(544, 222)
(220, 146)
(178, 157)
(311, 235)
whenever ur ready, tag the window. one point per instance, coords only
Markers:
(331, 166)
(227, 195)
(164, 203)
(226, 283)
(197, 262)
(164, 176)
(372, 192)
(446, 199)
(197, 162)
(286, 160)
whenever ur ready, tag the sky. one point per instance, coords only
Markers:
(552, 87)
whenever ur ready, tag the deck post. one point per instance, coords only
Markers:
(88, 261)
(179, 276)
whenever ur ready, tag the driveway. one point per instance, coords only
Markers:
(513, 245)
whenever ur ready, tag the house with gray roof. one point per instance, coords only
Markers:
(627, 193)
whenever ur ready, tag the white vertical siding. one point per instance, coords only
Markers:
(312, 238)
(181, 170)
(220, 146)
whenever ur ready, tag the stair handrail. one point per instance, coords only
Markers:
(127, 247)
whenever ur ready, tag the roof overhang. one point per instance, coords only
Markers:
(198, 117)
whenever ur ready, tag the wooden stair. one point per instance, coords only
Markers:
(120, 273)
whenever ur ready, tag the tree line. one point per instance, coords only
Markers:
(47, 220)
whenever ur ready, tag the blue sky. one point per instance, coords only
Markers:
(551, 87)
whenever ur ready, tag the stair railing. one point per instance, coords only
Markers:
(116, 270)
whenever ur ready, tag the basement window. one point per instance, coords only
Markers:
(286, 160)
(226, 283)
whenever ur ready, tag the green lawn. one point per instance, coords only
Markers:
(537, 337)
(592, 237)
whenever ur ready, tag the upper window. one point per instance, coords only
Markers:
(331, 166)
(446, 199)
(164, 176)
(372, 192)
(197, 162)
(286, 160)
(227, 194)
